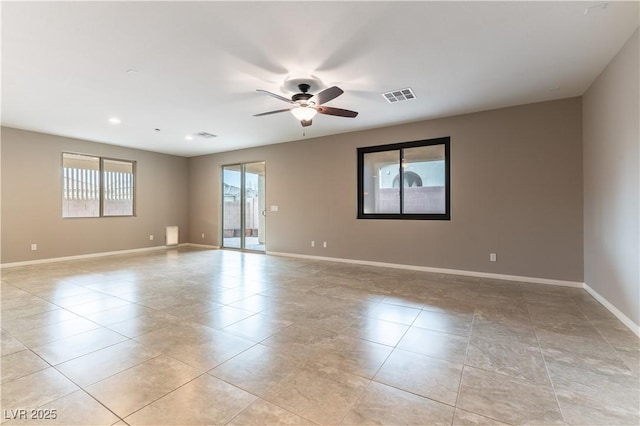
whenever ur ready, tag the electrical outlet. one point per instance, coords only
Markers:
(34, 247)
(324, 244)
(313, 243)
(493, 257)
(203, 235)
(150, 237)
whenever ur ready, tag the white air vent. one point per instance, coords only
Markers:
(399, 95)
(205, 135)
(171, 236)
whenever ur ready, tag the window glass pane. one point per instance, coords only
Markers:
(118, 188)
(232, 213)
(80, 185)
(379, 194)
(423, 171)
(254, 206)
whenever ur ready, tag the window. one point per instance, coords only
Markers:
(405, 181)
(94, 186)
(118, 188)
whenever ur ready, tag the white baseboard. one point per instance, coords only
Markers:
(518, 278)
(101, 254)
(80, 256)
(615, 311)
(199, 246)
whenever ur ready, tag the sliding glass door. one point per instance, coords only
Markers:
(243, 206)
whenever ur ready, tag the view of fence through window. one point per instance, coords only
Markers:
(87, 179)
(118, 188)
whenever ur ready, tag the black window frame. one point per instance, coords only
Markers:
(446, 141)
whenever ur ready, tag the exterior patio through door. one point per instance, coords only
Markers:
(243, 206)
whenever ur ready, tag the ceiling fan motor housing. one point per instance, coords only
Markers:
(304, 96)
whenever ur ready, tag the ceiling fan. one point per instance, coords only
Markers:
(306, 105)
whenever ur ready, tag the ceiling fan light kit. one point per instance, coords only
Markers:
(304, 113)
(306, 105)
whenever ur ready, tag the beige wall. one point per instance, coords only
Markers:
(32, 199)
(516, 190)
(612, 180)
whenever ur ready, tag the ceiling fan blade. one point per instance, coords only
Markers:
(271, 112)
(282, 98)
(306, 123)
(326, 95)
(336, 111)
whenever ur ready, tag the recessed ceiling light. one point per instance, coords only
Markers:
(132, 71)
(114, 120)
(189, 137)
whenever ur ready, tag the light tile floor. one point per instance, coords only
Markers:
(188, 336)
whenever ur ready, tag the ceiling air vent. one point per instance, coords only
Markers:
(205, 135)
(399, 95)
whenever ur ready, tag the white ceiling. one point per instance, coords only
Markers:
(64, 64)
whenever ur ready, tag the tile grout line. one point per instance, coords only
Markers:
(80, 388)
(613, 348)
(259, 398)
(546, 367)
(166, 394)
(464, 366)
(405, 390)
(370, 380)
(464, 363)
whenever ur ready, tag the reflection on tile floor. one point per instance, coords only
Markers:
(190, 336)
